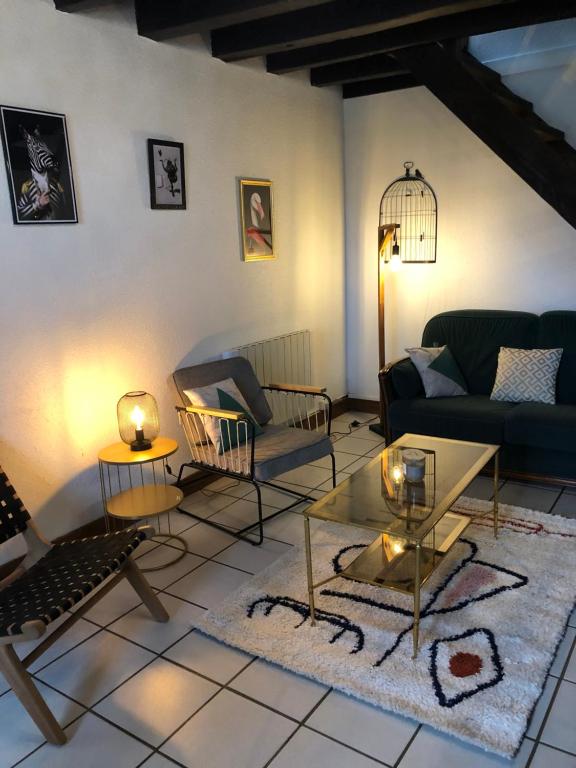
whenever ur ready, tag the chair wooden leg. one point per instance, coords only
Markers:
(145, 591)
(23, 686)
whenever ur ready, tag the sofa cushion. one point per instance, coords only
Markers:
(439, 371)
(542, 426)
(558, 329)
(471, 417)
(527, 375)
(475, 337)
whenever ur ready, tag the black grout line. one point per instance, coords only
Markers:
(408, 745)
(344, 744)
(550, 511)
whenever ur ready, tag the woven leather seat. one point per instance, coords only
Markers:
(63, 577)
(50, 580)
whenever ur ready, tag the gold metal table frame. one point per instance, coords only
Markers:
(415, 525)
(134, 486)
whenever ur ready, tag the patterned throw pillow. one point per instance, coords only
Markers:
(526, 375)
(226, 395)
(439, 371)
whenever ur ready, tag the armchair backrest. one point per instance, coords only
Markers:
(13, 514)
(237, 368)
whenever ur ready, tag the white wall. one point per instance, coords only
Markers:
(500, 246)
(117, 302)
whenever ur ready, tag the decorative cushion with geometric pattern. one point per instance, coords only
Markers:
(225, 395)
(439, 371)
(526, 375)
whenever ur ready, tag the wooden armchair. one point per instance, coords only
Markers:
(50, 580)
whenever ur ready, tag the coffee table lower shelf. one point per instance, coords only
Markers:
(395, 562)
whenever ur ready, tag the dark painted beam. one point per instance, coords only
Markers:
(510, 136)
(163, 19)
(367, 68)
(476, 22)
(382, 85)
(81, 5)
(331, 21)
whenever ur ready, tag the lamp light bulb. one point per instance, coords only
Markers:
(137, 417)
(395, 262)
(397, 547)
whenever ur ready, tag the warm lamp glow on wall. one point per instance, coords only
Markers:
(406, 235)
(138, 422)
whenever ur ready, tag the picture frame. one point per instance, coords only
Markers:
(167, 175)
(38, 166)
(257, 219)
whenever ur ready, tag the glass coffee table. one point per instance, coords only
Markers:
(412, 517)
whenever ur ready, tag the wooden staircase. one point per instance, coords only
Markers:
(505, 122)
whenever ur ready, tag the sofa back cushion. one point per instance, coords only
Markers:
(475, 337)
(558, 329)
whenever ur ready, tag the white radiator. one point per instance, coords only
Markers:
(280, 360)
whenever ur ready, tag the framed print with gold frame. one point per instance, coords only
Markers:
(257, 220)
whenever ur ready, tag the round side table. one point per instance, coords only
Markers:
(135, 486)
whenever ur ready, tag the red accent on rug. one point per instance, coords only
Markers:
(465, 664)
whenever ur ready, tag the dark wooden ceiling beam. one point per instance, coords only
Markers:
(163, 19)
(331, 21)
(81, 5)
(367, 68)
(476, 22)
(382, 85)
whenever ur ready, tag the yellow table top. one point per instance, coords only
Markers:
(144, 501)
(120, 453)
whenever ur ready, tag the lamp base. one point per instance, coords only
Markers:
(140, 445)
(378, 429)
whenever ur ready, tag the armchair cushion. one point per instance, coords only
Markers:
(279, 449)
(406, 381)
(63, 577)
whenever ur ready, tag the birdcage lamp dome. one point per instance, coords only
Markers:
(408, 219)
(138, 421)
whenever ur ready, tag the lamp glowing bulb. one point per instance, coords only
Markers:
(395, 262)
(397, 547)
(137, 417)
(397, 473)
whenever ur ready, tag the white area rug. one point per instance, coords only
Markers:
(493, 615)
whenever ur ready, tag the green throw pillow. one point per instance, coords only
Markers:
(237, 436)
(439, 371)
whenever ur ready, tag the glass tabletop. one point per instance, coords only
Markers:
(381, 498)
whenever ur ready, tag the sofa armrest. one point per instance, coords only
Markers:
(399, 380)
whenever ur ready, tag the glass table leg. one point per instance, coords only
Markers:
(496, 483)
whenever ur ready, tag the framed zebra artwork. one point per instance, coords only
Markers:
(166, 171)
(38, 166)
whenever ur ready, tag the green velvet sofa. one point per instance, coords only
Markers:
(536, 439)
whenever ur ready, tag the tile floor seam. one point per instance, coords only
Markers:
(207, 560)
(550, 511)
(407, 747)
(282, 746)
(344, 744)
(548, 708)
(560, 676)
(557, 748)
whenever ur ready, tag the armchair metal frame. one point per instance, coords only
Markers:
(239, 462)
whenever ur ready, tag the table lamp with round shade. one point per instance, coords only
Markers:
(138, 422)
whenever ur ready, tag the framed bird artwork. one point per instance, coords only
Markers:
(256, 219)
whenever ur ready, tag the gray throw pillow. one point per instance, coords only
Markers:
(439, 371)
(526, 375)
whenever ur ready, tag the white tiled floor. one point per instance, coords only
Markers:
(161, 695)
